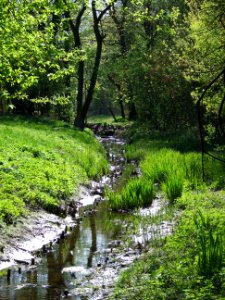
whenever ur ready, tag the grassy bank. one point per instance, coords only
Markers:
(43, 162)
(190, 263)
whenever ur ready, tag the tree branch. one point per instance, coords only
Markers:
(103, 12)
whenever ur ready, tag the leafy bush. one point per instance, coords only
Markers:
(11, 207)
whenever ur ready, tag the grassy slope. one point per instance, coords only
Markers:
(190, 264)
(43, 162)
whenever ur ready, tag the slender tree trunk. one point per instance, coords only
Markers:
(120, 96)
(94, 76)
(99, 39)
(122, 108)
(112, 113)
(79, 120)
(120, 24)
(83, 105)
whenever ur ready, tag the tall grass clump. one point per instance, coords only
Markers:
(135, 152)
(214, 171)
(173, 187)
(159, 165)
(193, 167)
(138, 192)
(210, 245)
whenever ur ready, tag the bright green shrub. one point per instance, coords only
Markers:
(11, 207)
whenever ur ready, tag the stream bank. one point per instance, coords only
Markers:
(78, 257)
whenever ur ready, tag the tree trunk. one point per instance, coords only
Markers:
(79, 120)
(120, 97)
(94, 76)
(83, 106)
(99, 39)
(132, 112)
(122, 109)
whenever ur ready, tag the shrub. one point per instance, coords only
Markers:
(11, 207)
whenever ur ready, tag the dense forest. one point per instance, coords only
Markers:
(156, 70)
(146, 60)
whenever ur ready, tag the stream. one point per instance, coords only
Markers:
(86, 261)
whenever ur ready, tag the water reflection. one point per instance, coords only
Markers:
(82, 248)
(93, 247)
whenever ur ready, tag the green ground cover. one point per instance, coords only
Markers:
(43, 162)
(106, 119)
(189, 263)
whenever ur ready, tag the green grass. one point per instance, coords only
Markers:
(161, 162)
(138, 192)
(103, 119)
(43, 162)
(173, 187)
(210, 244)
(190, 263)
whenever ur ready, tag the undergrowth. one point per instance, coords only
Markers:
(43, 162)
(136, 193)
(189, 263)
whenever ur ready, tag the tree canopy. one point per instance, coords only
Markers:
(147, 59)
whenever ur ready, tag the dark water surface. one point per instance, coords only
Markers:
(83, 247)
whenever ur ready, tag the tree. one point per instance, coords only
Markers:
(33, 56)
(207, 65)
(146, 67)
(83, 102)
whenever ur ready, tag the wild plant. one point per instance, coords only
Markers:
(173, 187)
(210, 245)
(42, 163)
(138, 192)
(193, 167)
(159, 165)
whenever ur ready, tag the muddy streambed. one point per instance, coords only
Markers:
(84, 261)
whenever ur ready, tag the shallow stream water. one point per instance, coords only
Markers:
(83, 249)
(85, 263)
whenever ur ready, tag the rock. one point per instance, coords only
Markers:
(113, 244)
(99, 264)
(66, 293)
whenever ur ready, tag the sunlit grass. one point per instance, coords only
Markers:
(43, 162)
(136, 193)
(188, 264)
(103, 119)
